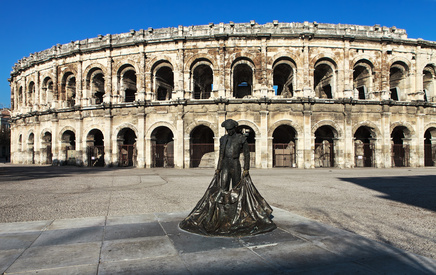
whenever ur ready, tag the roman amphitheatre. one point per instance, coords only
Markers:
(306, 95)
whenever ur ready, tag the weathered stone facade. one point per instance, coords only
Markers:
(306, 95)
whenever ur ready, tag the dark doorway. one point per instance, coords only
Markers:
(400, 151)
(95, 148)
(46, 148)
(162, 147)
(203, 81)
(242, 80)
(363, 148)
(324, 147)
(251, 140)
(202, 147)
(127, 148)
(429, 148)
(164, 83)
(284, 147)
(69, 147)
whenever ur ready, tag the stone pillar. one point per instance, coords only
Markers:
(110, 142)
(148, 152)
(306, 147)
(262, 154)
(140, 141)
(180, 141)
(385, 128)
(80, 145)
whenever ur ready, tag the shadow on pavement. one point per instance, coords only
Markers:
(18, 173)
(418, 191)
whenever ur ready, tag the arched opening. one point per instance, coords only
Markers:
(430, 147)
(164, 82)
(47, 88)
(283, 76)
(362, 79)
(251, 140)
(46, 148)
(31, 148)
(162, 144)
(284, 147)
(203, 81)
(68, 146)
(20, 96)
(95, 84)
(20, 143)
(242, 80)
(127, 80)
(400, 149)
(428, 83)
(364, 147)
(324, 147)
(69, 89)
(202, 147)
(324, 79)
(397, 81)
(127, 154)
(31, 93)
(95, 148)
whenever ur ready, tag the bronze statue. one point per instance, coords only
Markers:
(223, 211)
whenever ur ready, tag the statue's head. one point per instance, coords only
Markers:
(230, 126)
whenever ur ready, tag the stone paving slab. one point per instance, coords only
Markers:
(153, 244)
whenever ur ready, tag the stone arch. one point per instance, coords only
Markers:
(202, 146)
(43, 131)
(31, 146)
(160, 124)
(125, 125)
(47, 90)
(430, 145)
(162, 147)
(296, 59)
(201, 78)
(242, 77)
(399, 71)
(127, 82)
(66, 128)
(363, 71)
(410, 132)
(31, 90)
(374, 128)
(401, 136)
(46, 138)
(162, 79)
(325, 145)
(95, 75)
(197, 59)
(68, 88)
(252, 125)
(288, 122)
(284, 70)
(95, 147)
(324, 78)
(155, 61)
(206, 123)
(337, 130)
(429, 82)
(126, 141)
(284, 145)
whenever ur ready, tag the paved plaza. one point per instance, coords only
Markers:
(68, 220)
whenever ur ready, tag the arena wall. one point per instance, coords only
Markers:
(306, 95)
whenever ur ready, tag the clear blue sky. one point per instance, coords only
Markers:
(28, 26)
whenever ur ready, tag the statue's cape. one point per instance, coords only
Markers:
(239, 212)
